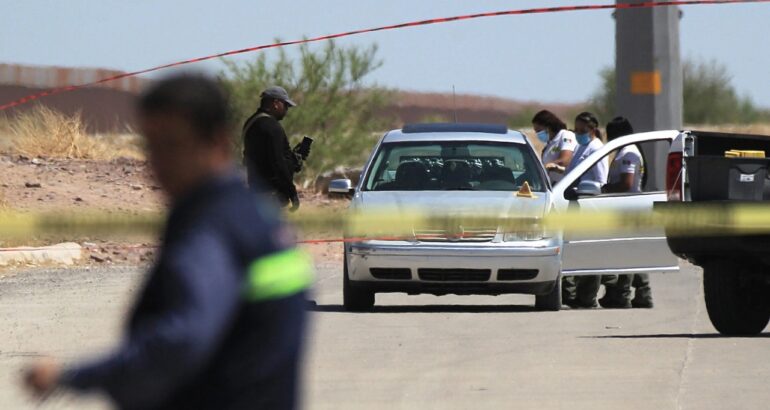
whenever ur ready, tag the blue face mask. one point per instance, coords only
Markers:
(542, 135)
(583, 139)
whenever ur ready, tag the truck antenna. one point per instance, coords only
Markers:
(454, 102)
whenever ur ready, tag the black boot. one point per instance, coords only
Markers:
(617, 292)
(642, 292)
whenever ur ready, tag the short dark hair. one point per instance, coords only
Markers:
(549, 120)
(619, 127)
(198, 99)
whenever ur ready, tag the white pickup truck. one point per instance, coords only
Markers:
(736, 267)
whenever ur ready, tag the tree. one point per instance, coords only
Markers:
(336, 107)
(709, 97)
(602, 102)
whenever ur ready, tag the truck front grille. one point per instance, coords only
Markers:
(461, 234)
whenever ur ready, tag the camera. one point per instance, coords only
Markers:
(303, 148)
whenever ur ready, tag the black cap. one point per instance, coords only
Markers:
(278, 93)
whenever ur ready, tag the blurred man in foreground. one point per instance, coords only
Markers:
(219, 322)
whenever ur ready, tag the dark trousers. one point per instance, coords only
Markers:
(581, 288)
(619, 287)
(584, 289)
(281, 199)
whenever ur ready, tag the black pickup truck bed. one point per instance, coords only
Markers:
(699, 249)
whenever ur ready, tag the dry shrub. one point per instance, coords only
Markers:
(43, 132)
(127, 145)
(48, 133)
(5, 126)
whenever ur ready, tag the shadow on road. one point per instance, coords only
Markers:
(676, 336)
(430, 309)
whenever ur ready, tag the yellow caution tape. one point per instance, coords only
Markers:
(107, 225)
(678, 219)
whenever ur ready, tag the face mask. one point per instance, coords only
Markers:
(583, 139)
(542, 136)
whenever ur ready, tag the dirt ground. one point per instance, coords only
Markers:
(121, 185)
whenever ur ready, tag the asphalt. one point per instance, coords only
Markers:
(426, 352)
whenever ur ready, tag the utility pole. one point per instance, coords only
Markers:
(648, 76)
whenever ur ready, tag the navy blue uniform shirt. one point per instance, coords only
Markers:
(217, 325)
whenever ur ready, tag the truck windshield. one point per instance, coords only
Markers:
(454, 165)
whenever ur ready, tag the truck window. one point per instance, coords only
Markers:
(646, 164)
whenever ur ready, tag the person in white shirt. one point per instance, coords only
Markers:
(589, 141)
(627, 168)
(626, 175)
(559, 143)
(581, 292)
(626, 171)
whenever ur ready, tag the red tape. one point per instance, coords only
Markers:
(649, 4)
(300, 242)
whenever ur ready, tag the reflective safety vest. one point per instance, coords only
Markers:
(279, 275)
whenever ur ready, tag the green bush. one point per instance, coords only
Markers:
(335, 107)
(709, 97)
(602, 102)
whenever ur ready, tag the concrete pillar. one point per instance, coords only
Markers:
(649, 76)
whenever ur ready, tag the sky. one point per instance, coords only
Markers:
(549, 57)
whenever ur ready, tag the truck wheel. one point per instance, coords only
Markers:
(736, 307)
(353, 299)
(551, 301)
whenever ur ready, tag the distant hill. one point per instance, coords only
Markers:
(412, 106)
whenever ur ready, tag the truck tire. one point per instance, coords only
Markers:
(735, 306)
(355, 299)
(551, 301)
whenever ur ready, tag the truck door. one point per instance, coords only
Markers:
(644, 251)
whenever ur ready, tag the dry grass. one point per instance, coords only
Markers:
(5, 126)
(3, 145)
(42, 132)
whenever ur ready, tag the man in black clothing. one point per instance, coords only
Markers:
(220, 320)
(266, 153)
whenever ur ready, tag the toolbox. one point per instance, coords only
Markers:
(714, 178)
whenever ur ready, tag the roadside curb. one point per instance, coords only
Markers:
(62, 254)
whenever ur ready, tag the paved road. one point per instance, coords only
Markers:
(424, 352)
